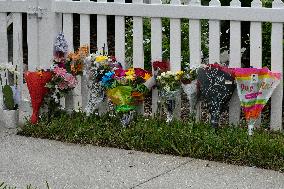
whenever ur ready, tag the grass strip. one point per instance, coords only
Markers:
(183, 138)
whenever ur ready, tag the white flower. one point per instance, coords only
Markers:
(169, 73)
(167, 88)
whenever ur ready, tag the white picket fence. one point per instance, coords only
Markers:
(47, 17)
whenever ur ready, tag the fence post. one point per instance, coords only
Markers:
(175, 52)
(276, 122)
(4, 48)
(235, 61)
(156, 51)
(195, 49)
(256, 44)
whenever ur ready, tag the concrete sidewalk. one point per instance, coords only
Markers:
(34, 161)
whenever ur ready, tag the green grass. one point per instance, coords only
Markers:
(184, 138)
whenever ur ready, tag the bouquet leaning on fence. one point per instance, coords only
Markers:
(96, 67)
(216, 88)
(169, 85)
(36, 82)
(126, 89)
(65, 69)
(255, 87)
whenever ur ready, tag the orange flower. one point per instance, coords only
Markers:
(70, 55)
(83, 51)
(147, 76)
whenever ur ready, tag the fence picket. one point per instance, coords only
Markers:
(175, 51)
(214, 36)
(156, 50)
(4, 44)
(256, 40)
(175, 41)
(82, 90)
(32, 39)
(18, 53)
(195, 47)
(68, 33)
(235, 61)
(195, 38)
(256, 44)
(138, 51)
(101, 30)
(277, 65)
(120, 37)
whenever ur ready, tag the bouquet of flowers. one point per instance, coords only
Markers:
(96, 68)
(126, 88)
(64, 70)
(169, 85)
(36, 82)
(216, 87)
(255, 87)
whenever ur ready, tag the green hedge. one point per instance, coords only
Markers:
(183, 138)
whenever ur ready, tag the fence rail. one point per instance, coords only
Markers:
(46, 18)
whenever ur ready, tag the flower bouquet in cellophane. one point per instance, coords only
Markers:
(169, 86)
(65, 68)
(255, 87)
(97, 65)
(126, 89)
(36, 82)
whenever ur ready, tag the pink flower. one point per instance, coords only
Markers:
(62, 85)
(71, 80)
(60, 71)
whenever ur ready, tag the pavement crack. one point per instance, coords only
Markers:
(163, 173)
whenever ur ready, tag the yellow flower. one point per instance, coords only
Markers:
(101, 58)
(130, 72)
(180, 73)
(147, 76)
